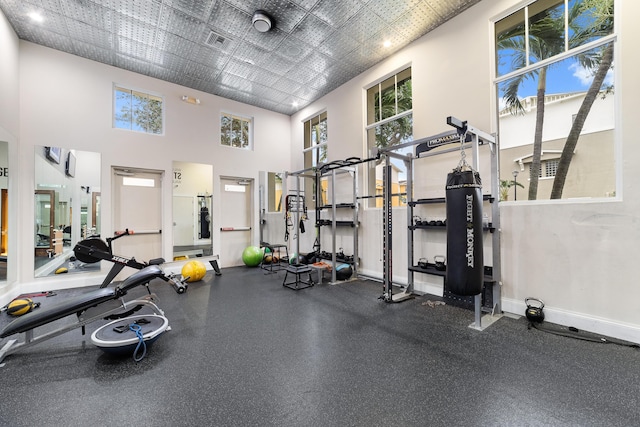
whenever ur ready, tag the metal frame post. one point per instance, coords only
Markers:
(333, 226)
(387, 225)
(410, 252)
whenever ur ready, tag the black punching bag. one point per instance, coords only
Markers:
(465, 262)
(205, 223)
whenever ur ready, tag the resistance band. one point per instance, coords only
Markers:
(137, 329)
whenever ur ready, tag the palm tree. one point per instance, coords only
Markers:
(505, 185)
(545, 40)
(602, 12)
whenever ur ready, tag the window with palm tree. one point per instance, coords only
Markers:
(389, 123)
(554, 68)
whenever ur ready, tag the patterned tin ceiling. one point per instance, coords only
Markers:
(313, 46)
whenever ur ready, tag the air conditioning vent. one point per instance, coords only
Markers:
(216, 40)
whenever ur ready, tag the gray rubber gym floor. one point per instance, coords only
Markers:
(245, 351)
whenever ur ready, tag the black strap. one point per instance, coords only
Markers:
(571, 332)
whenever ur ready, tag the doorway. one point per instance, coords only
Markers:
(137, 206)
(192, 207)
(236, 198)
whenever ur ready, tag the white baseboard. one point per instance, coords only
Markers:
(580, 321)
(433, 287)
(596, 325)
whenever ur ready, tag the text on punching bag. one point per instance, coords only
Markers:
(470, 236)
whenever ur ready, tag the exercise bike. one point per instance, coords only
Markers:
(106, 302)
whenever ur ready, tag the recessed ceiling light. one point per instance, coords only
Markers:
(294, 103)
(386, 43)
(36, 16)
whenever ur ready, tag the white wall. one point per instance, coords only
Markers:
(9, 132)
(8, 80)
(67, 101)
(577, 257)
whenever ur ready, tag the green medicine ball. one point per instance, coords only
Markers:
(252, 256)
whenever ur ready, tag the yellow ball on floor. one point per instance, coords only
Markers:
(194, 270)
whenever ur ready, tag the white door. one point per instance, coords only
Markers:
(137, 206)
(236, 219)
(183, 221)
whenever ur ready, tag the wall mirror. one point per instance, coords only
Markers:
(4, 209)
(67, 208)
(270, 199)
(192, 197)
(274, 192)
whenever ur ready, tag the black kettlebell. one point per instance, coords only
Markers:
(534, 312)
(439, 261)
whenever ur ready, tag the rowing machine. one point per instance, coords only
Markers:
(94, 250)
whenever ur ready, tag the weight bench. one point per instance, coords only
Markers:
(88, 307)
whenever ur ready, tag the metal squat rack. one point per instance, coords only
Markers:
(473, 138)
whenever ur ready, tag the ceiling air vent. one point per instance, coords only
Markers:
(216, 40)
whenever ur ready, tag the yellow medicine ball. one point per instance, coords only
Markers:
(194, 270)
(21, 306)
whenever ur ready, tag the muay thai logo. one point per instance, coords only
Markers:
(470, 235)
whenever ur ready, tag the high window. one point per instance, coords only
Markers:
(137, 111)
(315, 140)
(555, 88)
(389, 123)
(236, 131)
(315, 150)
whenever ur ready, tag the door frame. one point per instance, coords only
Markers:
(124, 171)
(251, 183)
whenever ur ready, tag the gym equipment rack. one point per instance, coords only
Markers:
(332, 170)
(296, 207)
(473, 138)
